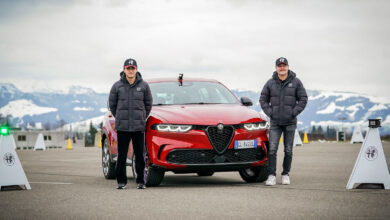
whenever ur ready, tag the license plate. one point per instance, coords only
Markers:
(245, 144)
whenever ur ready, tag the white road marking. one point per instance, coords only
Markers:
(54, 183)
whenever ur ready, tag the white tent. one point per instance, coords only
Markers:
(370, 166)
(13, 142)
(40, 144)
(11, 170)
(357, 136)
(297, 139)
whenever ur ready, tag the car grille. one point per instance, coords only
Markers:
(220, 139)
(198, 156)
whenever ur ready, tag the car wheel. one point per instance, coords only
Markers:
(256, 174)
(154, 176)
(205, 173)
(108, 166)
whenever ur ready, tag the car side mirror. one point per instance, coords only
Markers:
(246, 101)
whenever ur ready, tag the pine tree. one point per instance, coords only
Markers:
(327, 135)
(92, 129)
(90, 135)
(319, 130)
(313, 129)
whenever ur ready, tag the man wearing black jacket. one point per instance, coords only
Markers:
(282, 99)
(130, 103)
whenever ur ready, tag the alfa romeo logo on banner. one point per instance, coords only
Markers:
(9, 159)
(371, 153)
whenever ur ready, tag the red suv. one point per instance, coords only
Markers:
(195, 126)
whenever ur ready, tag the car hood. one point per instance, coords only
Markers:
(206, 114)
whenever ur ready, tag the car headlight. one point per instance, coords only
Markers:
(256, 126)
(173, 128)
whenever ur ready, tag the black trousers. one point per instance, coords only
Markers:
(124, 138)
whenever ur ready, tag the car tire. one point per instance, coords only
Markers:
(205, 173)
(256, 174)
(154, 176)
(107, 165)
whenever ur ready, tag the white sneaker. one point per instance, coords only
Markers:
(285, 179)
(271, 180)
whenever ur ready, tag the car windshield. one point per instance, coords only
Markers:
(170, 93)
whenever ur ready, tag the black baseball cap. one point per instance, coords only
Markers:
(130, 62)
(281, 60)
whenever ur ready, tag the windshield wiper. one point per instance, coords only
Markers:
(190, 103)
(200, 103)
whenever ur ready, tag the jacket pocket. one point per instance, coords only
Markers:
(295, 112)
(274, 113)
(289, 113)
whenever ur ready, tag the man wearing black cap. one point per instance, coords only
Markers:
(282, 99)
(130, 103)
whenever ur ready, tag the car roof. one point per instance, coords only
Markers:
(172, 79)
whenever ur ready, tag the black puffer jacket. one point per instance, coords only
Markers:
(130, 104)
(283, 102)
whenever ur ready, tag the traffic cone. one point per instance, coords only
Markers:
(69, 145)
(305, 139)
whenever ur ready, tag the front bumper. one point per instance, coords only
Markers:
(205, 156)
(220, 167)
(192, 151)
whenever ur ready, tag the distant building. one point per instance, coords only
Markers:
(27, 139)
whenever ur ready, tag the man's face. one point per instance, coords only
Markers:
(282, 69)
(130, 71)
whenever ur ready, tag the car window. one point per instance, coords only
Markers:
(170, 93)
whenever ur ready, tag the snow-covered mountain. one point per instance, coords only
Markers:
(336, 109)
(84, 104)
(50, 108)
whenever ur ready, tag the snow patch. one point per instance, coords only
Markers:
(41, 87)
(378, 107)
(387, 120)
(331, 108)
(36, 126)
(8, 88)
(379, 100)
(22, 107)
(82, 126)
(244, 90)
(354, 108)
(345, 96)
(82, 109)
(339, 124)
(80, 90)
(341, 95)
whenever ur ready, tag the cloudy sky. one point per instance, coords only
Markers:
(339, 45)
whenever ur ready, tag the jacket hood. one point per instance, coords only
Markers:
(138, 78)
(291, 75)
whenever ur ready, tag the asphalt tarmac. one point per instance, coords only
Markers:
(69, 184)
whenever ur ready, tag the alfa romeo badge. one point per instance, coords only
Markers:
(9, 159)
